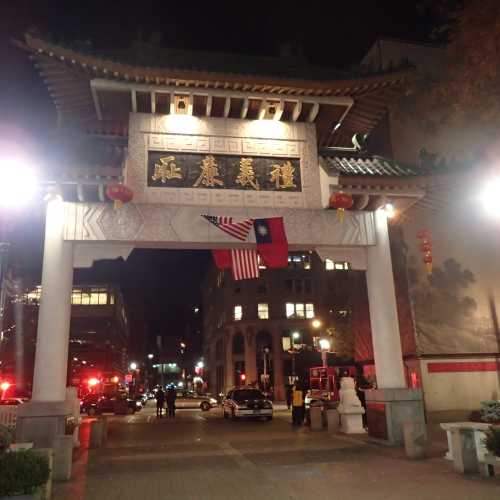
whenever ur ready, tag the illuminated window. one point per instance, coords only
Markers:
(263, 311)
(309, 311)
(299, 310)
(299, 261)
(94, 299)
(238, 313)
(111, 298)
(330, 265)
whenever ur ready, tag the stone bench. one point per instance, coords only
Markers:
(466, 447)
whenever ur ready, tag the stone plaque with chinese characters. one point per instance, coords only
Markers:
(215, 171)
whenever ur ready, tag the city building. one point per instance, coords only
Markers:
(99, 335)
(253, 328)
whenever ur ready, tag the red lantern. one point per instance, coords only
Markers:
(120, 194)
(428, 262)
(426, 247)
(341, 202)
(424, 234)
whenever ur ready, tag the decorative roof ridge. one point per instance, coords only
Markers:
(38, 45)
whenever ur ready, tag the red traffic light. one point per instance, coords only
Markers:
(243, 377)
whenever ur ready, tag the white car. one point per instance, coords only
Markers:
(247, 402)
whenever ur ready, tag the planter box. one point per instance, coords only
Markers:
(35, 496)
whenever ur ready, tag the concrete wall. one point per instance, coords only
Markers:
(458, 384)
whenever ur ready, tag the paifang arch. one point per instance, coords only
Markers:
(275, 126)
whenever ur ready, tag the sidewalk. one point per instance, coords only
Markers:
(203, 457)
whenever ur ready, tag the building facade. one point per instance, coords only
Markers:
(253, 328)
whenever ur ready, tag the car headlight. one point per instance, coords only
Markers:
(213, 401)
(138, 403)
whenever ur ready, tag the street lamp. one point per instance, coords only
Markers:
(150, 356)
(324, 345)
(490, 196)
(133, 365)
(18, 181)
(316, 323)
(295, 336)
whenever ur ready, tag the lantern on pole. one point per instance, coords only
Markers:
(119, 194)
(424, 235)
(341, 202)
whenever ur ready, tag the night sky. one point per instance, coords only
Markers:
(162, 285)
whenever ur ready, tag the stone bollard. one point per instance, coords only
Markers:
(333, 419)
(95, 440)
(415, 438)
(316, 418)
(464, 451)
(63, 458)
(45, 491)
(104, 423)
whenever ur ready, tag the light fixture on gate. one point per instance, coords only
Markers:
(390, 210)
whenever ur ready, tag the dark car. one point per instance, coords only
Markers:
(95, 404)
(247, 402)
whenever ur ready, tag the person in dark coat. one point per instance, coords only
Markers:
(171, 395)
(289, 396)
(160, 401)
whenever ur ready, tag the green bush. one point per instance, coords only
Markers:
(490, 411)
(5, 438)
(22, 472)
(492, 441)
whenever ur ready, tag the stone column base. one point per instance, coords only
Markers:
(40, 422)
(388, 409)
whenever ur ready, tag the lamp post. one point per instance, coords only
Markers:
(295, 336)
(324, 345)
(265, 352)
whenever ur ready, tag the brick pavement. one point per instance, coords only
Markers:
(201, 456)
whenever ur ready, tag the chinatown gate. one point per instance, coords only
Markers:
(181, 139)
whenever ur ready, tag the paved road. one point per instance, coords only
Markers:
(200, 456)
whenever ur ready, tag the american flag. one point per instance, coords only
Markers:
(238, 230)
(244, 264)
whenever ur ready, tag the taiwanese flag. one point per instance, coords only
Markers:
(272, 245)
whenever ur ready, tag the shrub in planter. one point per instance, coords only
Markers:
(492, 441)
(490, 411)
(22, 472)
(5, 438)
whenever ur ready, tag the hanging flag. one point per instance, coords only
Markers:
(272, 244)
(222, 258)
(244, 264)
(238, 230)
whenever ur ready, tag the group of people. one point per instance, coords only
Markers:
(168, 397)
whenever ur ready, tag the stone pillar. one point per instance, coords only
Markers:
(391, 405)
(279, 386)
(383, 312)
(229, 363)
(44, 417)
(250, 356)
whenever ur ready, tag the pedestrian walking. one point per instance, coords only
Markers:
(298, 402)
(171, 396)
(289, 396)
(160, 401)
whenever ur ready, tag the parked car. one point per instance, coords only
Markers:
(95, 404)
(12, 401)
(190, 399)
(142, 398)
(247, 402)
